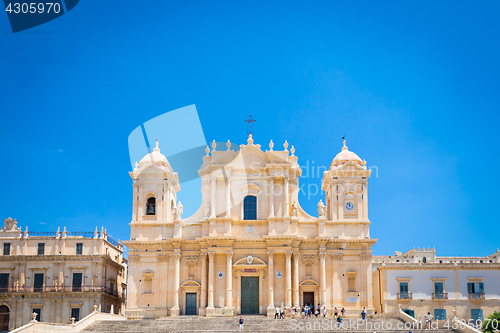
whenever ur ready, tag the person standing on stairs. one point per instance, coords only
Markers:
(241, 321)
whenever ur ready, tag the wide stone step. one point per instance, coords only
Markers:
(252, 324)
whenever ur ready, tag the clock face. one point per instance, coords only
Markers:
(349, 206)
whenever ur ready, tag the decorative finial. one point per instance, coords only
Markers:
(250, 140)
(344, 147)
(228, 145)
(271, 145)
(207, 150)
(157, 143)
(292, 150)
(214, 145)
(136, 164)
(286, 145)
(363, 163)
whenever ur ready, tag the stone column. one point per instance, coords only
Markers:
(211, 256)
(203, 300)
(271, 196)
(288, 294)
(212, 196)
(296, 294)
(336, 281)
(229, 283)
(228, 197)
(322, 278)
(270, 284)
(177, 265)
(369, 281)
(287, 205)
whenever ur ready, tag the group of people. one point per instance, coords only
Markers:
(307, 310)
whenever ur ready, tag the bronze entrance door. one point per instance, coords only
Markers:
(191, 304)
(249, 295)
(308, 297)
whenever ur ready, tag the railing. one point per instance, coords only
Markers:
(112, 241)
(84, 234)
(405, 296)
(439, 295)
(51, 289)
(476, 296)
(43, 233)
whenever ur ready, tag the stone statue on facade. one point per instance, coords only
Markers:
(321, 209)
(10, 224)
(295, 209)
(178, 211)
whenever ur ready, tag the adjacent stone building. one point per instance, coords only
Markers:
(419, 282)
(58, 275)
(250, 246)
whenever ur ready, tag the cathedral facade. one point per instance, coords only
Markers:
(250, 247)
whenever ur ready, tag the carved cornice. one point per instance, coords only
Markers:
(308, 259)
(134, 258)
(337, 256)
(191, 260)
(162, 257)
(435, 267)
(366, 256)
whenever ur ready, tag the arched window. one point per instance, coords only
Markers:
(424, 260)
(250, 208)
(151, 206)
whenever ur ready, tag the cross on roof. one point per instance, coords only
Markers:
(249, 122)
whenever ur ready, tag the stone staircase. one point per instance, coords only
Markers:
(252, 324)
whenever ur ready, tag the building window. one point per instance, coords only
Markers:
(77, 282)
(38, 314)
(440, 314)
(404, 290)
(6, 249)
(4, 282)
(476, 315)
(41, 249)
(79, 248)
(475, 290)
(75, 313)
(151, 206)
(439, 291)
(38, 282)
(424, 260)
(250, 208)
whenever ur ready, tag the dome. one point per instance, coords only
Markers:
(155, 157)
(346, 155)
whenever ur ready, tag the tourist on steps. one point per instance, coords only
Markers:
(241, 321)
(277, 314)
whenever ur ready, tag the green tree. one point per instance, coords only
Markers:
(492, 323)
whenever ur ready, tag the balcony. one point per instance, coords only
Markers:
(403, 296)
(63, 289)
(476, 296)
(439, 296)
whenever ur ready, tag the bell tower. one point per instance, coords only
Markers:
(345, 185)
(155, 188)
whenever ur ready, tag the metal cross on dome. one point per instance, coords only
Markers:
(249, 122)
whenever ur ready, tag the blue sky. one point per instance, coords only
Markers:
(413, 86)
